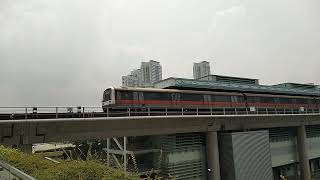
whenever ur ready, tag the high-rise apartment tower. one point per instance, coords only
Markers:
(201, 69)
(151, 72)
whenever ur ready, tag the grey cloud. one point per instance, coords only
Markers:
(67, 52)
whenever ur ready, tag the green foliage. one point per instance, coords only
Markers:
(25, 162)
(43, 169)
(82, 170)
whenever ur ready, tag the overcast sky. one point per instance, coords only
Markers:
(58, 52)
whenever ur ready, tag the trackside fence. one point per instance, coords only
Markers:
(90, 112)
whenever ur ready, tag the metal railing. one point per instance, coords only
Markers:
(207, 111)
(9, 172)
(49, 112)
(90, 112)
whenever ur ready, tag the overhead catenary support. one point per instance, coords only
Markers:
(303, 153)
(213, 156)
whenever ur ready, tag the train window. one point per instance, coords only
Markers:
(310, 101)
(125, 95)
(107, 95)
(207, 98)
(301, 101)
(240, 99)
(267, 99)
(285, 100)
(220, 98)
(135, 95)
(295, 101)
(156, 96)
(191, 97)
(252, 99)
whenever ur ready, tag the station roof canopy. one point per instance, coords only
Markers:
(230, 79)
(297, 86)
(182, 83)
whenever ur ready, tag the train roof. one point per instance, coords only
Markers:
(171, 90)
(182, 83)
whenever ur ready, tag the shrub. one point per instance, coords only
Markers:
(43, 169)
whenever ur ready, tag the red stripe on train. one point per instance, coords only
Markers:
(201, 103)
(159, 102)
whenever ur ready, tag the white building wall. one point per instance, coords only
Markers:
(201, 69)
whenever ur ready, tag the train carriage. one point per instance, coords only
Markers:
(144, 97)
(140, 98)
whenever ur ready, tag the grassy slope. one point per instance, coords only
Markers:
(43, 169)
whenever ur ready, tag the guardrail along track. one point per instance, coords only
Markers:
(7, 113)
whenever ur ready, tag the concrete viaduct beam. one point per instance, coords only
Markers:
(53, 130)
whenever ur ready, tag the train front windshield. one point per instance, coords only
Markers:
(107, 95)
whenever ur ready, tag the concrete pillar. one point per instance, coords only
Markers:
(303, 153)
(26, 148)
(213, 156)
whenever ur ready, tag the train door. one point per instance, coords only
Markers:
(245, 97)
(135, 98)
(141, 98)
(125, 98)
(234, 101)
(176, 99)
(277, 103)
(207, 99)
(318, 104)
(313, 104)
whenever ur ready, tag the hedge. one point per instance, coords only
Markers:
(43, 169)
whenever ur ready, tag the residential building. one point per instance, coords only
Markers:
(151, 72)
(138, 77)
(128, 81)
(201, 69)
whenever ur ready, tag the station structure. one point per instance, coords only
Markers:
(184, 154)
(262, 153)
